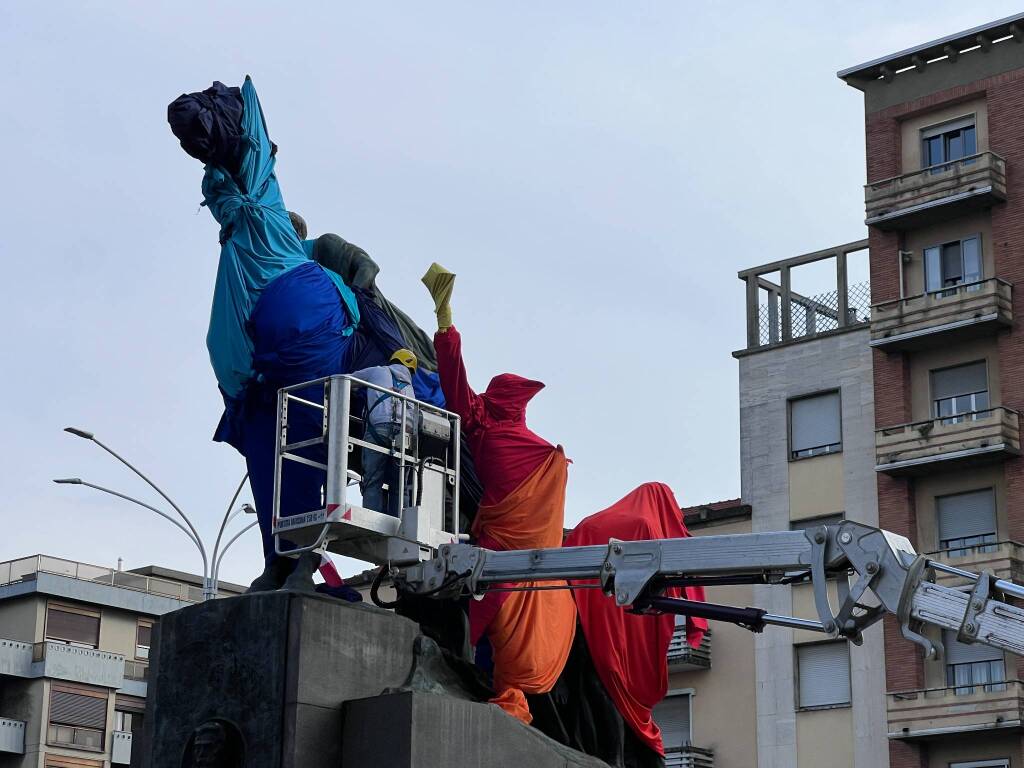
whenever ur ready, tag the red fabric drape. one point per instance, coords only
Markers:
(523, 507)
(629, 651)
(505, 450)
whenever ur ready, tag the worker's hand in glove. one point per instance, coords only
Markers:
(440, 282)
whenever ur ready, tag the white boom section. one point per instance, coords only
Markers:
(888, 576)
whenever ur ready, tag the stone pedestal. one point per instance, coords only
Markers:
(423, 730)
(283, 680)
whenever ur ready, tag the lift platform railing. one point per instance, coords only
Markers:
(425, 450)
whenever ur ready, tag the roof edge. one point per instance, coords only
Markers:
(868, 70)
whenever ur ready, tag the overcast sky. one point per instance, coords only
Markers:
(594, 172)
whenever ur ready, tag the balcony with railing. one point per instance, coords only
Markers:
(29, 568)
(933, 712)
(955, 313)
(90, 666)
(136, 678)
(1004, 559)
(12, 736)
(684, 657)
(15, 658)
(778, 314)
(936, 193)
(689, 757)
(938, 444)
(121, 748)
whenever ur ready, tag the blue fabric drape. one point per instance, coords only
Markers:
(258, 244)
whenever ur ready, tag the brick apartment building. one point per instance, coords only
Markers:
(944, 125)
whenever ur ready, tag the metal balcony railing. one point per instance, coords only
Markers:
(26, 568)
(918, 447)
(689, 757)
(959, 311)
(939, 191)
(930, 712)
(1005, 559)
(133, 670)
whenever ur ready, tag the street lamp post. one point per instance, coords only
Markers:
(211, 564)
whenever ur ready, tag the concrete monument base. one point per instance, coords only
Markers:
(288, 680)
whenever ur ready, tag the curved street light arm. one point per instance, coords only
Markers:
(219, 560)
(162, 514)
(156, 488)
(228, 517)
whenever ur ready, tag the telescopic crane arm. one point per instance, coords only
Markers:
(888, 576)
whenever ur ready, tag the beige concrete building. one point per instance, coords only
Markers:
(709, 716)
(74, 658)
(807, 457)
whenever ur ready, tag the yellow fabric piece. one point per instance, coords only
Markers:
(440, 282)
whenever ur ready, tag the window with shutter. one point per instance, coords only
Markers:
(966, 521)
(970, 665)
(960, 393)
(823, 675)
(672, 715)
(78, 716)
(80, 628)
(815, 425)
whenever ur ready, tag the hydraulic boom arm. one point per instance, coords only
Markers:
(888, 577)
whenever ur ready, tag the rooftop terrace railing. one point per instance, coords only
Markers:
(776, 314)
(26, 568)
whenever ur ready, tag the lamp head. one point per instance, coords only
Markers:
(79, 432)
(68, 481)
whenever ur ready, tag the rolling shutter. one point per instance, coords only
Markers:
(824, 674)
(964, 515)
(72, 627)
(77, 709)
(961, 380)
(673, 717)
(962, 653)
(815, 421)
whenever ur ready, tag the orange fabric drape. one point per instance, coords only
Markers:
(532, 632)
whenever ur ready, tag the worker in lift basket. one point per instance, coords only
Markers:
(383, 425)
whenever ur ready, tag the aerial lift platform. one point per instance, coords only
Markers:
(877, 572)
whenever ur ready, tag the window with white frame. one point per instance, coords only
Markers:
(143, 638)
(960, 393)
(973, 668)
(815, 425)
(823, 675)
(672, 715)
(954, 263)
(948, 142)
(1002, 763)
(966, 522)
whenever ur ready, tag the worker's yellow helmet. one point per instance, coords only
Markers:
(406, 357)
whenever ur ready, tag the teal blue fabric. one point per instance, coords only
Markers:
(258, 244)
